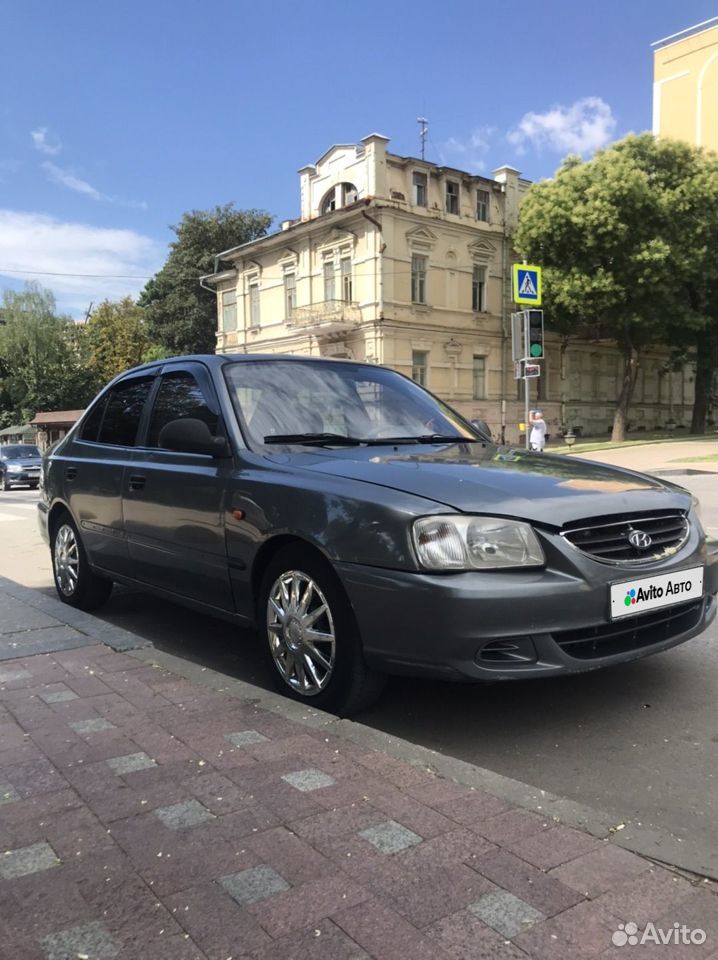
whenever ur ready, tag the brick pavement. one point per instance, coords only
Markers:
(146, 815)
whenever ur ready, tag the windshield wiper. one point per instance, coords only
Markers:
(316, 439)
(431, 438)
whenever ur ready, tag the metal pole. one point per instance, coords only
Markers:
(526, 407)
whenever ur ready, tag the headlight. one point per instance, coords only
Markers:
(14, 468)
(475, 543)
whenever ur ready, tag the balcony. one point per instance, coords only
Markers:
(328, 319)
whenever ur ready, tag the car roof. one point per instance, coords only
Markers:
(219, 359)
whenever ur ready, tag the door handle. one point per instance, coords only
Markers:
(70, 473)
(137, 482)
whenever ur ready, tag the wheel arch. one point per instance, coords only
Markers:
(270, 548)
(56, 510)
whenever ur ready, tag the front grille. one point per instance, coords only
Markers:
(632, 633)
(607, 539)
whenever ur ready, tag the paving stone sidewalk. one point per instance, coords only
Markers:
(144, 815)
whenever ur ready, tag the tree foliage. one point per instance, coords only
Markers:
(117, 338)
(623, 254)
(43, 365)
(181, 315)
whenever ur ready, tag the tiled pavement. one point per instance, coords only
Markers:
(145, 816)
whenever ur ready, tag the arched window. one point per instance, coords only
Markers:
(339, 196)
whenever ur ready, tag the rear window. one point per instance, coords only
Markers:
(122, 413)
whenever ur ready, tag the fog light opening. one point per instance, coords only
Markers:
(510, 650)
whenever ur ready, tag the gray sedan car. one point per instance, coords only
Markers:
(365, 528)
(19, 465)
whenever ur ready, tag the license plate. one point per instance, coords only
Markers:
(649, 593)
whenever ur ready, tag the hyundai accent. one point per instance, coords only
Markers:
(365, 528)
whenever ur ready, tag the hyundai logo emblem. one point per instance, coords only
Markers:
(639, 539)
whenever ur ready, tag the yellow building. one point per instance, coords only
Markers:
(685, 85)
(399, 261)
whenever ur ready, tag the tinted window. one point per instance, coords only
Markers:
(123, 412)
(91, 427)
(178, 398)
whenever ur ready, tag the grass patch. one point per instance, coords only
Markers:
(709, 458)
(593, 444)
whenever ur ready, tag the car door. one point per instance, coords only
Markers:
(173, 502)
(92, 466)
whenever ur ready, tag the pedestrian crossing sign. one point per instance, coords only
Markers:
(527, 284)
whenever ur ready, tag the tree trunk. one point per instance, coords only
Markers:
(705, 369)
(630, 373)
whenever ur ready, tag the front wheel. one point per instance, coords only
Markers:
(75, 582)
(311, 636)
(4, 485)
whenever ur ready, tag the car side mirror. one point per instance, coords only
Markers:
(192, 436)
(482, 428)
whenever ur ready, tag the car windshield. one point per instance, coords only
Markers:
(326, 402)
(20, 451)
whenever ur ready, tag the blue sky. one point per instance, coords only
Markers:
(116, 118)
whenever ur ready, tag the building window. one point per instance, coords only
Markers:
(254, 316)
(419, 185)
(419, 365)
(478, 289)
(346, 271)
(418, 278)
(482, 205)
(452, 196)
(290, 294)
(229, 310)
(479, 391)
(329, 284)
(341, 195)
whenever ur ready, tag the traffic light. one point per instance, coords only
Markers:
(534, 334)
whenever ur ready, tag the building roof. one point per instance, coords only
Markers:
(684, 34)
(17, 428)
(57, 416)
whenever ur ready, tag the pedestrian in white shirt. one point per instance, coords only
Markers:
(537, 437)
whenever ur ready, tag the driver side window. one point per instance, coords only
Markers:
(179, 398)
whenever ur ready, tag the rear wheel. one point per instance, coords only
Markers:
(311, 635)
(75, 582)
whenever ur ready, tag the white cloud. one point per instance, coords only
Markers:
(68, 179)
(582, 127)
(49, 146)
(118, 260)
(471, 151)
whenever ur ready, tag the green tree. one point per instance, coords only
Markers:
(182, 315)
(42, 360)
(117, 338)
(623, 258)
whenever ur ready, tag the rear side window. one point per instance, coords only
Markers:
(122, 413)
(178, 398)
(91, 426)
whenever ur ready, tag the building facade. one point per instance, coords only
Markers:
(685, 85)
(398, 261)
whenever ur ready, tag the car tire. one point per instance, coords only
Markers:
(329, 674)
(33, 486)
(75, 582)
(4, 485)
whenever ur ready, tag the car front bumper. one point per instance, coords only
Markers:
(25, 477)
(539, 622)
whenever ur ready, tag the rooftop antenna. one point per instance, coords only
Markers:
(423, 134)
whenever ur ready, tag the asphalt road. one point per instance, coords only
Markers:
(637, 741)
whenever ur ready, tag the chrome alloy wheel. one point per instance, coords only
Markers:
(300, 630)
(67, 560)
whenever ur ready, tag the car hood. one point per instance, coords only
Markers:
(23, 462)
(473, 478)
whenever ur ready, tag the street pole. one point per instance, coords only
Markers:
(526, 407)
